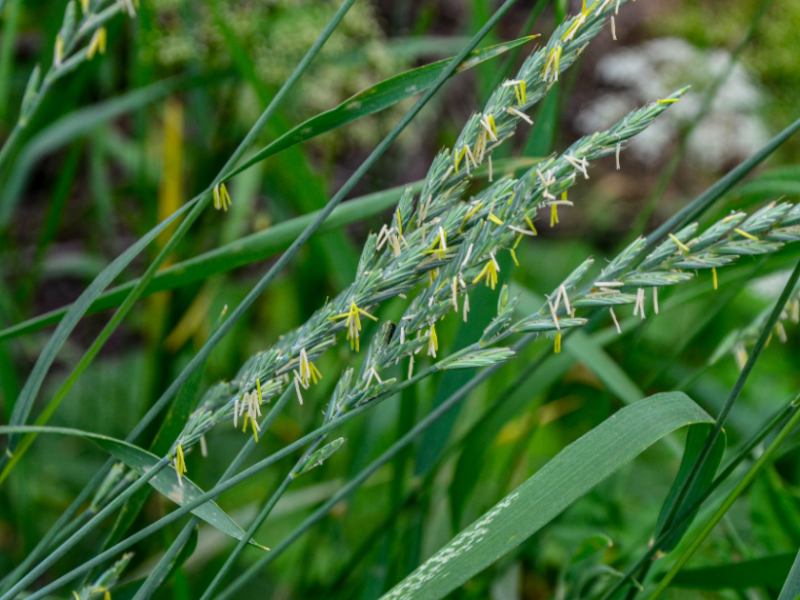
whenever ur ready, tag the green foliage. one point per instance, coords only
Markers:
(466, 344)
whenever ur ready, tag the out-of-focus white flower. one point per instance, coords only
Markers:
(731, 131)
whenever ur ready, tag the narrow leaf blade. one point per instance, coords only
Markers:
(376, 98)
(566, 478)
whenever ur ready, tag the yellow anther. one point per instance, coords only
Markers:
(749, 236)
(59, 51)
(557, 346)
(494, 219)
(680, 244)
(433, 342)
(514, 257)
(473, 211)
(440, 241)
(98, 43)
(258, 389)
(222, 199)
(314, 371)
(518, 240)
(553, 215)
(353, 324)
(575, 24)
(714, 276)
(457, 156)
(667, 100)
(180, 462)
(399, 223)
(490, 273)
(492, 124)
(530, 224)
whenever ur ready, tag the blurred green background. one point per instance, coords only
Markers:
(89, 194)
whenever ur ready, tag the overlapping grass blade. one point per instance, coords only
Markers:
(76, 312)
(165, 481)
(29, 391)
(706, 451)
(183, 547)
(787, 429)
(744, 453)
(694, 444)
(791, 589)
(286, 257)
(249, 249)
(565, 479)
(375, 99)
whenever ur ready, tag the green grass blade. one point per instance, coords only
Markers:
(566, 478)
(183, 547)
(168, 484)
(754, 573)
(375, 99)
(29, 391)
(248, 250)
(98, 285)
(694, 444)
(791, 589)
(10, 27)
(728, 503)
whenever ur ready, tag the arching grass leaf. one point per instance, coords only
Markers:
(166, 481)
(565, 479)
(694, 444)
(376, 99)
